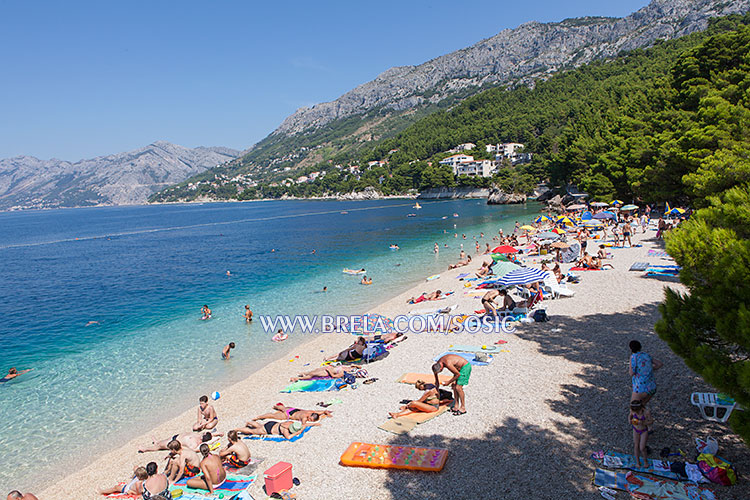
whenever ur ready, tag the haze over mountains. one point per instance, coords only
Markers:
(119, 179)
(370, 112)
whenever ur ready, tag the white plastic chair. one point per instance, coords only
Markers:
(710, 407)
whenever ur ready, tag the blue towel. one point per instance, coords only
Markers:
(468, 356)
(279, 438)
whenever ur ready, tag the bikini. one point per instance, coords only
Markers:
(148, 495)
(635, 417)
(268, 426)
(291, 411)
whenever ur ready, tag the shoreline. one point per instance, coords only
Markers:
(545, 392)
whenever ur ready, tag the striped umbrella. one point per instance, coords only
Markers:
(599, 204)
(617, 202)
(542, 218)
(523, 276)
(502, 268)
(592, 224)
(628, 208)
(565, 220)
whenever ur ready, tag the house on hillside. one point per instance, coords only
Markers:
(467, 146)
(481, 168)
(455, 160)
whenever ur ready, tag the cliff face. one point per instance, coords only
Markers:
(519, 55)
(119, 179)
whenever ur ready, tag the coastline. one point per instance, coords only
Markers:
(558, 392)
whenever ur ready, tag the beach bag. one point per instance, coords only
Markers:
(716, 470)
(540, 316)
(349, 379)
(708, 445)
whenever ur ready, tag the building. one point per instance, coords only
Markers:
(455, 160)
(481, 168)
(467, 146)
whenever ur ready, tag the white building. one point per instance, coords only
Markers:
(481, 168)
(467, 146)
(455, 160)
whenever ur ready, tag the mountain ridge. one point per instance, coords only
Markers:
(119, 179)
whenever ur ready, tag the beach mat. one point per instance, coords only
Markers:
(277, 438)
(397, 426)
(610, 479)
(659, 253)
(489, 349)
(234, 484)
(639, 266)
(315, 385)
(411, 378)
(646, 487)
(468, 356)
(617, 460)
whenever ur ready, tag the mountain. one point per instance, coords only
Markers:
(119, 179)
(336, 130)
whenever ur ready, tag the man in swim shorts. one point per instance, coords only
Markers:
(207, 418)
(461, 370)
(182, 462)
(236, 455)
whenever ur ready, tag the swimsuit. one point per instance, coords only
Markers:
(291, 411)
(190, 470)
(233, 461)
(463, 374)
(147, 495)
(635, 418)
(128, 486)
(269, 427)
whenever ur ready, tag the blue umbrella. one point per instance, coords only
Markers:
(605, 215)
(523, 276)
(586, 216)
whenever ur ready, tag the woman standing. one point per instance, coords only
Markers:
(641, 369)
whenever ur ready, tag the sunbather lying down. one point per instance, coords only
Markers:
(325, 371)
(287, 412)
(425, 296)
(288, 429)
(428, 403)
(352, 352)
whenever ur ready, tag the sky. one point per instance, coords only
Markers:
(83, 79)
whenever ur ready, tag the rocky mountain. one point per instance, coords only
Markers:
(119, 179)
(523, 54)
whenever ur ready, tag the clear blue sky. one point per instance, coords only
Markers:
(82, 79)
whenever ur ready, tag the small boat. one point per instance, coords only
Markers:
(411, 215)
(417, 206)
(455, 215)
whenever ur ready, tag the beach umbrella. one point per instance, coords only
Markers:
(565, 220)
(629, 207)
(605, 215)
(547, 235)
(586, 216)
(504, 249)
(617, 202)
(592, 224)
(542, 218)
(576, 206)
(559, 244)
(676, 211)
(523, 276)
(502, 268)
(528, 228)
(557, 230)
(599, 204)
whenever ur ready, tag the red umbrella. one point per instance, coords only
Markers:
(504, 249)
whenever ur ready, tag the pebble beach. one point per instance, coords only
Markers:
(558, 392)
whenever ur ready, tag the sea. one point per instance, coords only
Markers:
(104, 304)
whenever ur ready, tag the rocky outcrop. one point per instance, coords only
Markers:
(369, 193)
(119, 179)
(453, 193)
(520, 55)
(499, 197)
(555, 204)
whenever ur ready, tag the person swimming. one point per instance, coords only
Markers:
(280, 336)
(248, 314)
(13, 373)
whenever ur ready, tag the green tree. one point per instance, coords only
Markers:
(709, 327)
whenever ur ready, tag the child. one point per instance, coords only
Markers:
(207, 418)
(227, 348)
(640, 419)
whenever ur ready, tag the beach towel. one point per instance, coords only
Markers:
(468, 356)
(656, 488)
(462, 275)
(639, 266)
(491, 349)
(277, 438)
(411, 378)
(315, 385)
(617, 460)
(658, 253)
(611, 479)
(232, 486)
(584, 269)
(404, 424)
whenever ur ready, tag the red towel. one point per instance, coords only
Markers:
(584, 269)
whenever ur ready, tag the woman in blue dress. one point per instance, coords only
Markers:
(642, 368)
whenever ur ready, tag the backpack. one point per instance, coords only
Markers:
(540, 316)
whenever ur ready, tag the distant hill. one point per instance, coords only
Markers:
(401, 96)
(119, 179)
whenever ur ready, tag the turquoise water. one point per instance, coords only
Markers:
(143, 273)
